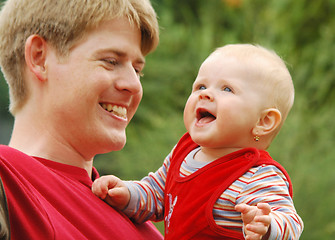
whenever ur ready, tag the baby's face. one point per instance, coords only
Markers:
(225, 103)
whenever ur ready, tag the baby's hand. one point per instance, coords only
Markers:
(112, 190)
(256, 220)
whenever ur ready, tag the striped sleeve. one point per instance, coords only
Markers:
(147, 195)
(261, 184)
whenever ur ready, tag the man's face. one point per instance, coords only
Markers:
(93, 93)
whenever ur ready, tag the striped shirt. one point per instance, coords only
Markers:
(264, 183)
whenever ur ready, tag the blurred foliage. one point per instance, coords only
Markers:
(6, 119)
(301, 31)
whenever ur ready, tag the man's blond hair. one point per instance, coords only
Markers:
(62, 23)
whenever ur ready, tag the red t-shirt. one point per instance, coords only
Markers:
(49, 200)
(189, 200)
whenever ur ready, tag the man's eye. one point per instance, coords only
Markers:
(111, 61)
(139, 72)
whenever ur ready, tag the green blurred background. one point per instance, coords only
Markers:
(301, 31)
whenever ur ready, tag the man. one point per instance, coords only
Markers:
(73, 70)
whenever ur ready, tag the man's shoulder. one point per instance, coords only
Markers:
(5, 148)
(13, 158)
(7, 152)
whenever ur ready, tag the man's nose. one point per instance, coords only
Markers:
(129, 81)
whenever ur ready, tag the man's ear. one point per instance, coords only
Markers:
(35, 56)
(269, 121)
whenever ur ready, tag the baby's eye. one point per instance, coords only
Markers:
(227, 89)
(197, 86)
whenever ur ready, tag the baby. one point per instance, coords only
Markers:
(218, 182)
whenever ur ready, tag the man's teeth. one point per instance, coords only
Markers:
(117, 110)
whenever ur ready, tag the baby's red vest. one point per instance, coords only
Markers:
(189, 200)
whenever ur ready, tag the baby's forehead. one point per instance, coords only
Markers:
(249, 54)
(252, 64)
(251, 59)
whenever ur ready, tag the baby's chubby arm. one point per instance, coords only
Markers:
(256, 220)
(112, 190)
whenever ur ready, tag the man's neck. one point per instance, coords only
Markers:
(40, 143)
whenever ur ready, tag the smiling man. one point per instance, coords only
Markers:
(73, 70)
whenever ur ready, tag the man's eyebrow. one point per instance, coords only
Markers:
(121, 54)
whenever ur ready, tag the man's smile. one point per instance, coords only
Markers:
(116, 110)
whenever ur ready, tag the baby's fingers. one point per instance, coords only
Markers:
(101, 185)
(256, 231)
(264, 207)
(258, 228)
(263, 219)
(100, 192)
(253, 237)
(242, 208)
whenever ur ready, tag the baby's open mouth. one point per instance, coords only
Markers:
(116, 110)
(204, 116)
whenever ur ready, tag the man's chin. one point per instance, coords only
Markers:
(111, 145)
(117, 145)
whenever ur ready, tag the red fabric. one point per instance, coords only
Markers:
(49, 200)
(190, 200)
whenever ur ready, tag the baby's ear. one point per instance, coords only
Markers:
(269, 121)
